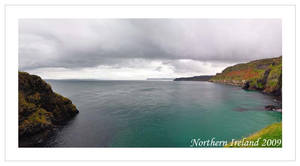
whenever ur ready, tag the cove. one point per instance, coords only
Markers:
(158, 113)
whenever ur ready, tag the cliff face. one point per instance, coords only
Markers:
(40, 109)
(263, 75)
(195, 78)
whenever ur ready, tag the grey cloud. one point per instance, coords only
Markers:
(81, 43)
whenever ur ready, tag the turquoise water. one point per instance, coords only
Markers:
(158, 113)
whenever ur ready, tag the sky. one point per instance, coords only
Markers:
(137, 49)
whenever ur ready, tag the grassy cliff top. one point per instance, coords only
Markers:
(271, 133)
(263, 74)
(253, 69)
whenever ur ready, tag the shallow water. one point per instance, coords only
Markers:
(158, 113)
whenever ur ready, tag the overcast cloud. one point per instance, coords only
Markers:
(142, 48)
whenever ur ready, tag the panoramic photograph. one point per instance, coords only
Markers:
(165, 83)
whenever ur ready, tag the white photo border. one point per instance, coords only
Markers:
(284, 12)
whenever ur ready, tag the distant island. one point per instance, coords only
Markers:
(195, 78)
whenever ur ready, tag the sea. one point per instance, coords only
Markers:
(158, 113)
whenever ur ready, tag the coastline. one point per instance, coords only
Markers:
(263, 75)
(277, 99)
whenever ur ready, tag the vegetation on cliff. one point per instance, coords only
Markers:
(264, 75)
(270, 136)
(40, 109)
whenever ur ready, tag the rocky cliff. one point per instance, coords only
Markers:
(264, 75)
(40, 109)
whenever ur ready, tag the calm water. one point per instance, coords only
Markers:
(158, 113)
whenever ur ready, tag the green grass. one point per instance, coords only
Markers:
(40, 116)
(263, 138)
(254, 73)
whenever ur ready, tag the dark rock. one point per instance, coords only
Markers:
(263, 80)
(246, 85)
(272, 108)
(278, 90)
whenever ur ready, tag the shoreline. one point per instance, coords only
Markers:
(277, 99)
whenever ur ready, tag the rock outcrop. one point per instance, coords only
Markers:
(264, 75)
(40, 109)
